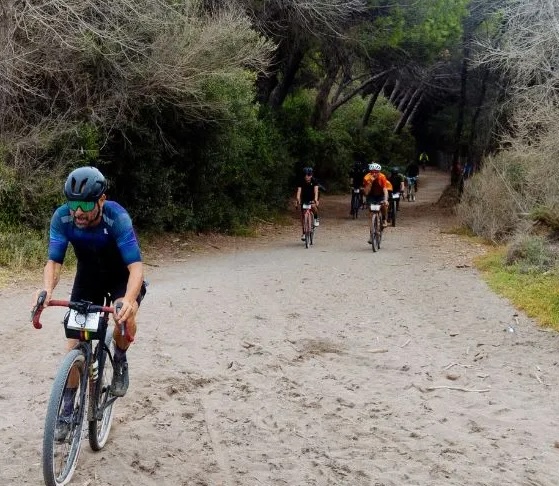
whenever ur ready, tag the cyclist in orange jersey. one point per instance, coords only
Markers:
(375, 186)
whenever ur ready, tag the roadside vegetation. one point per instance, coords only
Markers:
(513, 200)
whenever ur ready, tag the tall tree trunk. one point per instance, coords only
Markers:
(462, 101)
(409, 108)
(371, 104)
(321, 112)
(414, 110)
(395, 91)
(279, 93)
(404, 101)
(475, 118)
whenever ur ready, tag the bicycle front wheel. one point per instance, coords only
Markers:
(393, 210)
(101, 414)
(308, 229)
(374, 229)
(64, 420)
(376, 232)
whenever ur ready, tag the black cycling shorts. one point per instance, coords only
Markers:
(92, 290)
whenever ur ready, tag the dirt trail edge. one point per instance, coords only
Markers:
(269, 364)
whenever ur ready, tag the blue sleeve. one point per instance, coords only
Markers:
(58, 241)
(126, 238)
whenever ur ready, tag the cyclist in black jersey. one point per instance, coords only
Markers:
(307, 193)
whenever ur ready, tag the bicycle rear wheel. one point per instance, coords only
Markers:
(393, 211)
(101, 415)
(411, 195)
(62, 434)
(355, 203)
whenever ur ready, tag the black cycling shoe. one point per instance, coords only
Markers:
(62, 430)
(119, 384)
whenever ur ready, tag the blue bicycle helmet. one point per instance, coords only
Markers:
(85, 184)
(308, 171)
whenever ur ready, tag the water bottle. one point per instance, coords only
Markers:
(94, 370)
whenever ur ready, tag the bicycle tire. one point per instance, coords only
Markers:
(311, 234)
(355, 203)
(379, 230)
(102, 401)
(61, 456)
(308, 228)
(393, 210)
(374, 229)
(377, 234)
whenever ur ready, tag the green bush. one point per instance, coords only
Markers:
(530, 253)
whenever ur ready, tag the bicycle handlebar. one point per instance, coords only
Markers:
(82, 307)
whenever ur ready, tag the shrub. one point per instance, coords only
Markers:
(530, 253)
(489, 206)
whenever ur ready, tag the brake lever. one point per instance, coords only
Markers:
(37, 309)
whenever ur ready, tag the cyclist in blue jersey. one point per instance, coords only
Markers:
(108, 259)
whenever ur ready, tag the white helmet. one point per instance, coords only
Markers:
(374, 166)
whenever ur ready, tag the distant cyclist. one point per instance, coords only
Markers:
(356, 181)
(424, 160)
(397, 179)
(412, 173)
(307, 193)
(375, 186)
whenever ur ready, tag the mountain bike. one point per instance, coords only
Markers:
(376, 226)
(411, 188)
(393, 207)
(355, 202)
(308, 224)
(81, 388)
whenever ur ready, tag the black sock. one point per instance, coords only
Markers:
(120, 354)
(68, 401)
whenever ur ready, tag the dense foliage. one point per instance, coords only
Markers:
(201, 112)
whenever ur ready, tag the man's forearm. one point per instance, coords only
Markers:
(135, 280)
(51, 275)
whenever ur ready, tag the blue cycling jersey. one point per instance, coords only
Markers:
(106, 248)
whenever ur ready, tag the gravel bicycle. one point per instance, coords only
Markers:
(81, 388)
(355, 202)
(376, 226)
(308, 224)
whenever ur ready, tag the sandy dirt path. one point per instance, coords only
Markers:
(262, 363)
